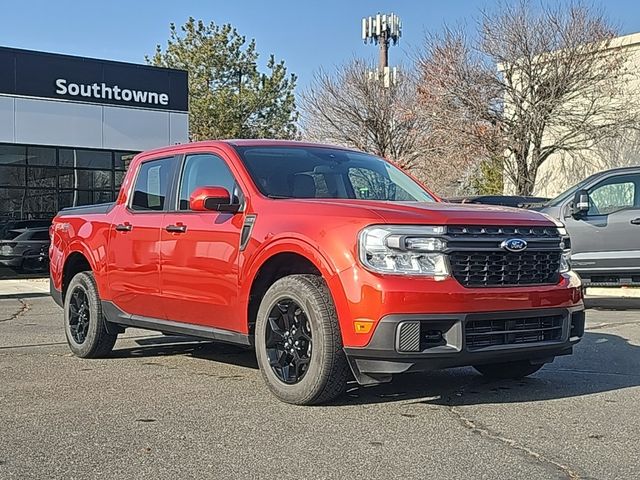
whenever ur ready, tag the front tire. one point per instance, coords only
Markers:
(298, 342)
(509, 370)
(84, 324)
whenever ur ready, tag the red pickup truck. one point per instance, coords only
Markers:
(329, 262)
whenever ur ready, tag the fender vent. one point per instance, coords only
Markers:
(245, 235)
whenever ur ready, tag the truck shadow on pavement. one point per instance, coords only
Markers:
(164, 346)
(601, 362)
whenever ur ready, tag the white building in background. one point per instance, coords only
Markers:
(69, 124)
(68, 127)
(562, 170)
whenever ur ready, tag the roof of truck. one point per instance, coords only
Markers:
(238, 143)
(275, 142)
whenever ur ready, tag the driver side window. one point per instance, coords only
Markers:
(612, 195)
(205, 170)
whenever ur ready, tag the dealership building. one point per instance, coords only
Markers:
(68, 127)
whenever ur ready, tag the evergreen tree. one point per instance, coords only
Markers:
(228, 96)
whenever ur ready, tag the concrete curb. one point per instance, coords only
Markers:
(617, 292)
(31, 286)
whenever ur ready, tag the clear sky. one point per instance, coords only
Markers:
(307, 34)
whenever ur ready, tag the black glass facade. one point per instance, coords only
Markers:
(35, 183)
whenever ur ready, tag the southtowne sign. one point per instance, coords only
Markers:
(114, 92)
(37, 74)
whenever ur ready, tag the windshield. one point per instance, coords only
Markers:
(11, 234)
(318, 172)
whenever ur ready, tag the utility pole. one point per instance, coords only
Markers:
(383, 30)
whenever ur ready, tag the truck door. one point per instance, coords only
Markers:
(134, 247)
(199, 250)
(605, 240)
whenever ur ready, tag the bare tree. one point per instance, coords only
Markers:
(458, 143)
(354, 108)
(539, 80)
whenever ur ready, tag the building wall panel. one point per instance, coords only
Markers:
(47, 122)
(132, 129)
(7, 124)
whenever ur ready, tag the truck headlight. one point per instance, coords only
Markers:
(565, 262)
(565, 245)
(404, 250)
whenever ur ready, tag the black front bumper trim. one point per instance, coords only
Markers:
(380, 359)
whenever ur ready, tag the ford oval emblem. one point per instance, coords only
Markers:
(514, 245)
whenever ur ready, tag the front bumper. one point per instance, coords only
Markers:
(414, 342)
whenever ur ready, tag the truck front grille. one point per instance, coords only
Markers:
(483, 269)
(478, 259)
(477, 230)
(491, 333)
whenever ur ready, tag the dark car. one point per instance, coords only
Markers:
(25, 249)
(518, 201)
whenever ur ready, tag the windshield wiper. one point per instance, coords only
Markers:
(278, 197)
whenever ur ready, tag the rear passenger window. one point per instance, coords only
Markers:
(152, 185)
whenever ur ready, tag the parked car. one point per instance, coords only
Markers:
(518, 201)
(325, 260)
(602, 215)
(25, 249)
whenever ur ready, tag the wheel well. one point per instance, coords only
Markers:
(275, 268)
(76, 263)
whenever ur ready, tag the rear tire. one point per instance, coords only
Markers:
(509, 370)
(84, 323)
(298, 342)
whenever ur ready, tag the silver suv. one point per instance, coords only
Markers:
(602, 215)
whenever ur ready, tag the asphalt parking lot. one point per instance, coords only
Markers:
(166, 407)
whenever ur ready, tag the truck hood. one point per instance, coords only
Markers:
(441, 213)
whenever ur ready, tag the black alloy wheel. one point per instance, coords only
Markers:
(289, 341)
(298, 341)
(79, 315)
(88, 332)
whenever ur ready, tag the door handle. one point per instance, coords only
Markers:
(635, 221)
(124, 227)
(176, 228)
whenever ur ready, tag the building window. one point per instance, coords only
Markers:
(41, 177)
(77, 158)
(13, 155)
(38, 181)
(122, 160)
(45, 156)
(11, 176)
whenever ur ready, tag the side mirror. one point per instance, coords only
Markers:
(216, 199)
(581, 203)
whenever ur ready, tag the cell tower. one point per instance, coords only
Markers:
(382, 30)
